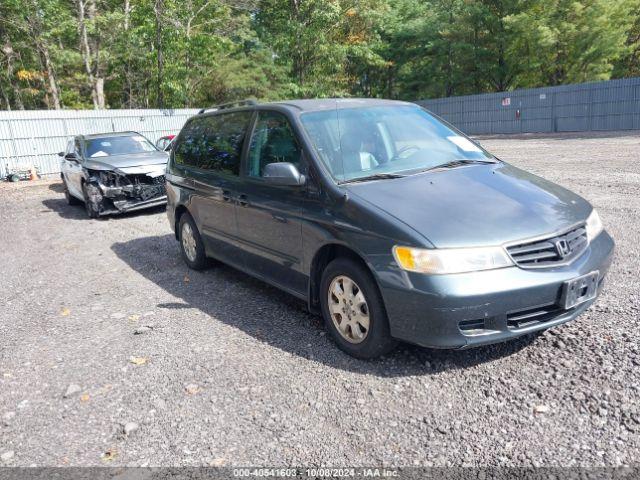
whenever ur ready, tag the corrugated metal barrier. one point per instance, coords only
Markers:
(611, 105)
(34, 137)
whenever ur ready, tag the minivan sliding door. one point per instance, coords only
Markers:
(215, 175)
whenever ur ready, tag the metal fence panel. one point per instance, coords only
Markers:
(33, 138)
(611, 105)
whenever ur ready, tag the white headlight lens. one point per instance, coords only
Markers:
(594, 225)
(451, 260)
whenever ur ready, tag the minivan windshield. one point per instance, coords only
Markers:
(120, 145)
(386, 141)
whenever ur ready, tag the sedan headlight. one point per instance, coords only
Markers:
(594, 225)
(451, 260)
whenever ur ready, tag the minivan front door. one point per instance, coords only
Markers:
(269, 216)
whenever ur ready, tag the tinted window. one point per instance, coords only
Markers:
(213, 142)
(273, 141)
(121, 145)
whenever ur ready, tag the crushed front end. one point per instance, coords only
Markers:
(126, 189)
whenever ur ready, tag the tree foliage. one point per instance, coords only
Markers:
(180, 53)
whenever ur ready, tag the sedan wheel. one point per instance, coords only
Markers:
(92, 199)
(71, 200)
(349, 309)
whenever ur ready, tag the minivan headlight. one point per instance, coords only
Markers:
(594, 225)
(451, 260)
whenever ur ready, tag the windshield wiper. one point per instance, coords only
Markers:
(461, 162)
(377, 176)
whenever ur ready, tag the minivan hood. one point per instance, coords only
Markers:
(125, 161)
(476, 205)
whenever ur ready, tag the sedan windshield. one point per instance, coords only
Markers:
(357, 143)
(120, 145)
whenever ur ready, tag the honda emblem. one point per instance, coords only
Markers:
(562, 247)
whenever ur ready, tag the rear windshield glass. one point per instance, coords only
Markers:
(121, 145)
(360, 142)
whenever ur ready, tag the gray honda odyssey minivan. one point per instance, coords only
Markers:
(390, 223)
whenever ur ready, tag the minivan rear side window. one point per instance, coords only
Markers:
(213, 142)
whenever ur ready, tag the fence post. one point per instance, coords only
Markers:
(14, 147)
(554, 127)
(590, 109)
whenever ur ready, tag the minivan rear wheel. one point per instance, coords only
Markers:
(191, 245)
(353, 311)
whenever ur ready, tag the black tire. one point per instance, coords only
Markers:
(92, 209)
(199, 261)
(71, 200)
(378, 340)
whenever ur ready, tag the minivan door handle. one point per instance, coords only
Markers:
(243, 201)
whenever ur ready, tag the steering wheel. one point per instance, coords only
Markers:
(403, 152)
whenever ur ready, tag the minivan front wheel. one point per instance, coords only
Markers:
(353, 311)
(191, 244)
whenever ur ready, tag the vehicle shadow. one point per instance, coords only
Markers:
(279, 319)
(69, 212)
(57, 187)
(77, 212)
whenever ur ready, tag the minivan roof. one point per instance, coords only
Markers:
(307, 105)
(313, 105)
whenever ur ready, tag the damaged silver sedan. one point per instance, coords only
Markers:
(113, 173)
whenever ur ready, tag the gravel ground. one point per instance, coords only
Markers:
(113, 353)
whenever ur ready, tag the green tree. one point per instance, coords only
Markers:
(181, 53)
(570, 41)
(326, 44)
(628, 65)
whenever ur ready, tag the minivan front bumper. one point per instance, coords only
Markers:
(479, 308)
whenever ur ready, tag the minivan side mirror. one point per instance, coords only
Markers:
(72, 157)
(283, 173)
(61, 154)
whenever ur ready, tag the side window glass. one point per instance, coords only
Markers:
(214, 142)
(224, 139)
(273, 141)
(188, 151)
(77, 148)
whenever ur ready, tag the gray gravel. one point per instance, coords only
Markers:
(233, 372)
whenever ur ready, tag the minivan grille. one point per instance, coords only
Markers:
(551, 251)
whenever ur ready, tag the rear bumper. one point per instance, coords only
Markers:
(472, 309)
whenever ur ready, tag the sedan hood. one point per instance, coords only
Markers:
(477, 205)
(125, 161)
